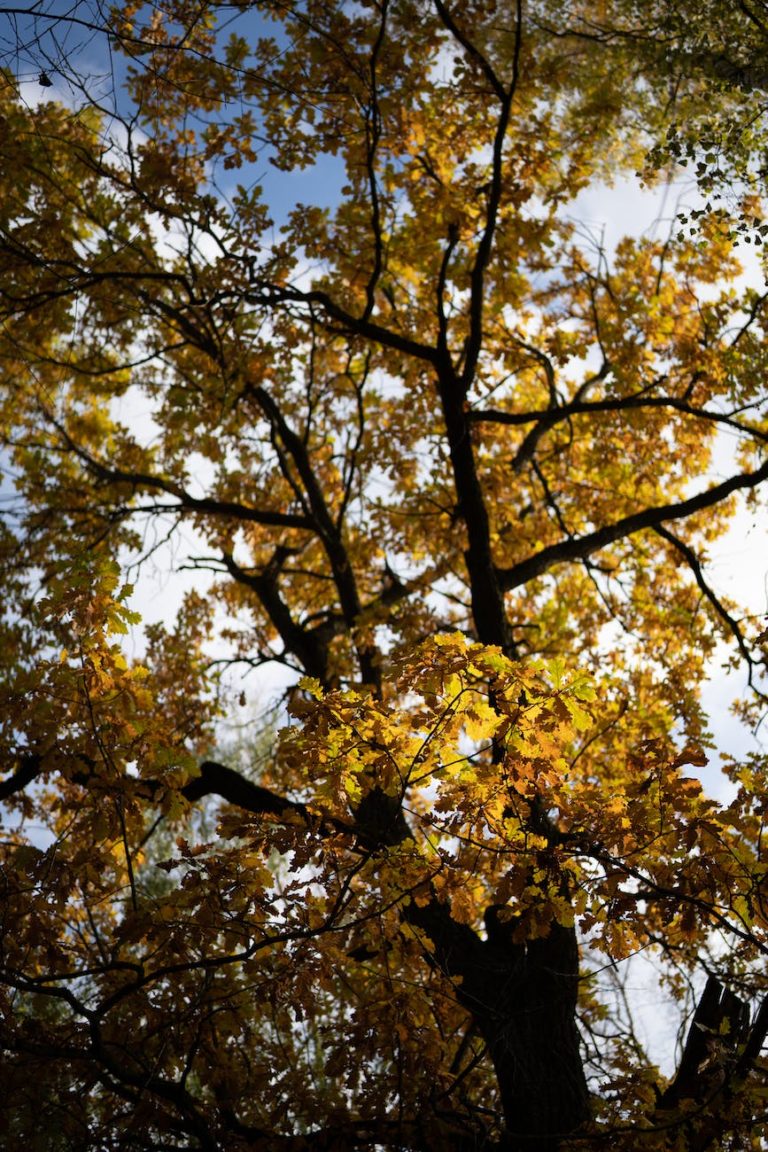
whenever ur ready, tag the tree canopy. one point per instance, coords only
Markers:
(309, 309)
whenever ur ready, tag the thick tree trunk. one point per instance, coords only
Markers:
(531, 1033)
(523, 1000)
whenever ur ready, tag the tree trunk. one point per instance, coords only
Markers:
(523, 1000)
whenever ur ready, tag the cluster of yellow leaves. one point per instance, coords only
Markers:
(519, 795)
(96, 725)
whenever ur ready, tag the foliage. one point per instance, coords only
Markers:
(450, 460)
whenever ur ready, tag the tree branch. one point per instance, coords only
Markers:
(731, 624)
(580, 547)
(309, 645)
(546, 418)
(28, 770)
(206, 504)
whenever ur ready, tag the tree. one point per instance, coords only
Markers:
(449, 460)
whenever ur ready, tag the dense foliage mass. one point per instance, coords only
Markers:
(449, 458)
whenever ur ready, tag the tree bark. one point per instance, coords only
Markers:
(522, 996)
